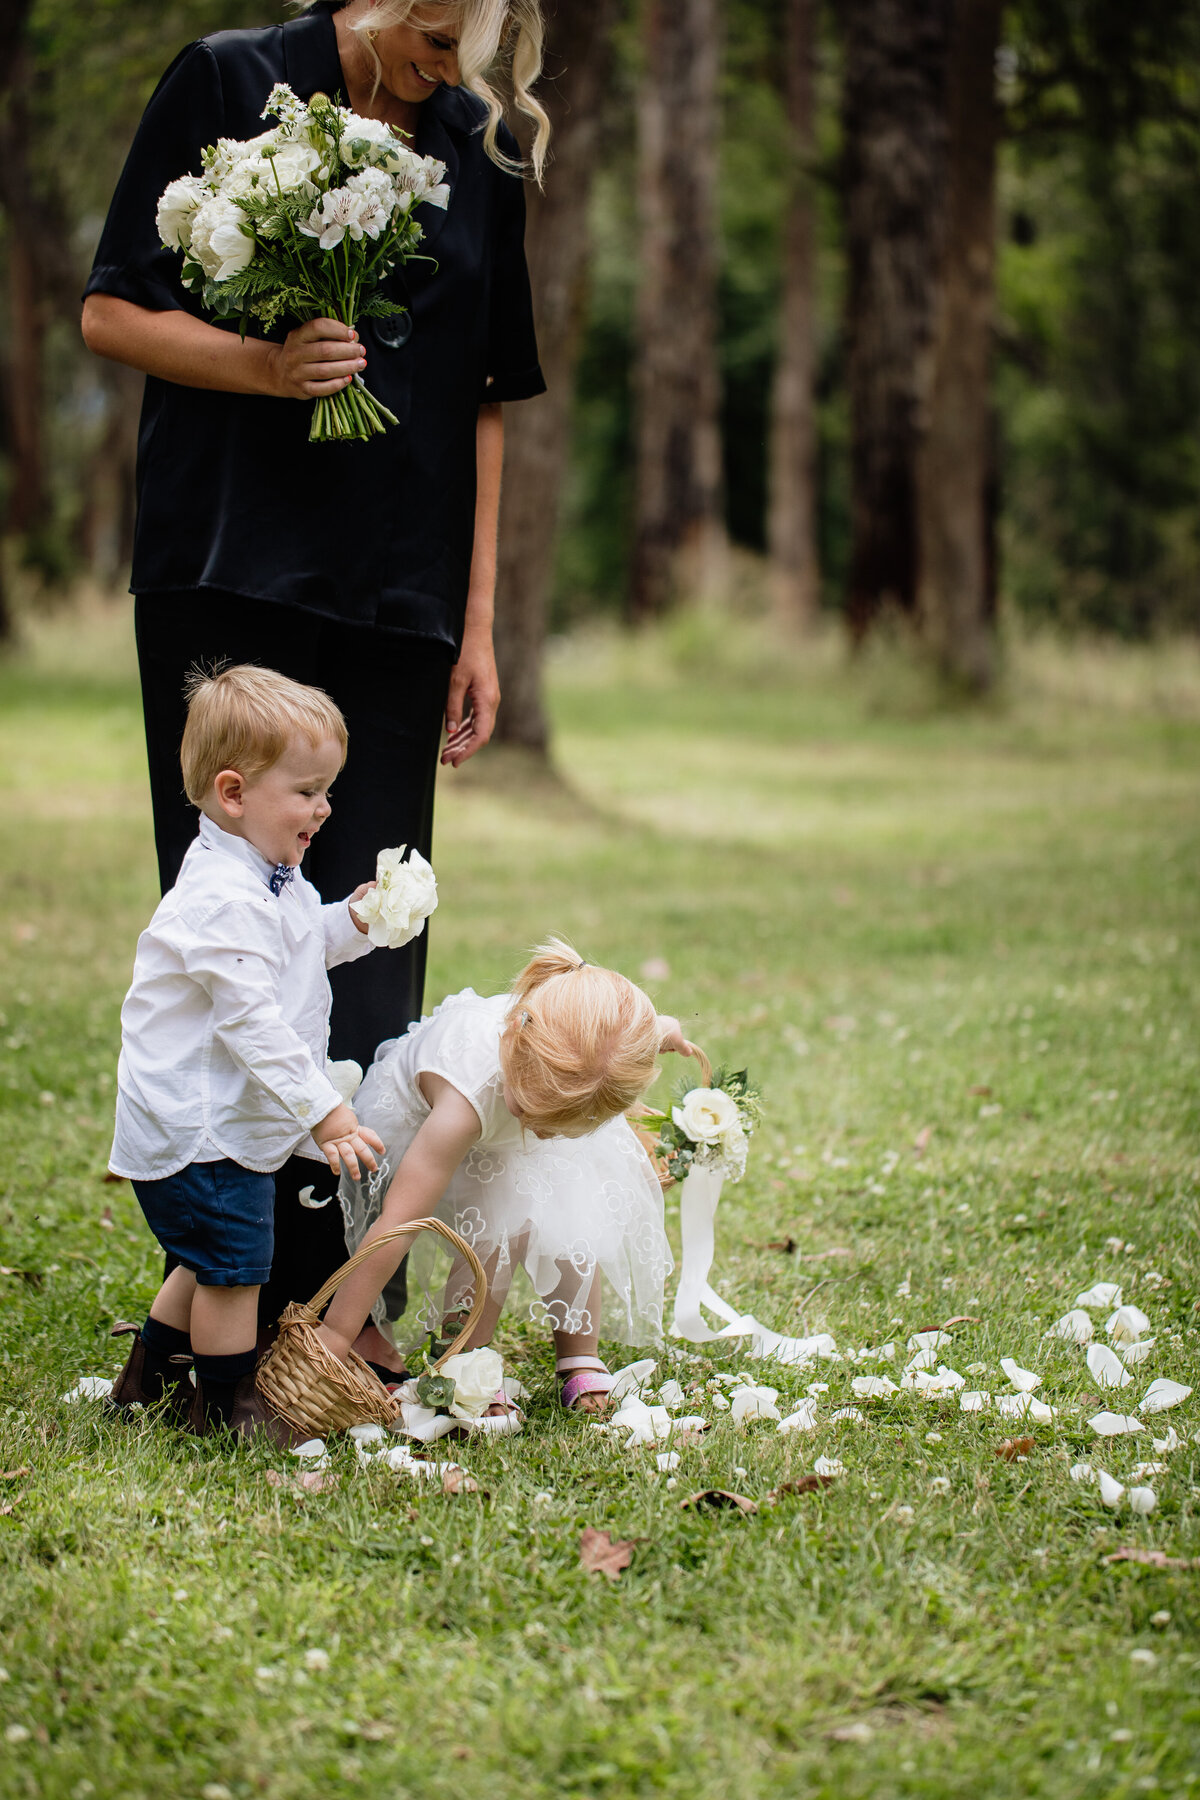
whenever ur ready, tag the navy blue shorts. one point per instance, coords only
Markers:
(217, 1219)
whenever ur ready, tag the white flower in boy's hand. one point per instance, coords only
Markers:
(394, 911)
(706, 1115)
(476, 1375)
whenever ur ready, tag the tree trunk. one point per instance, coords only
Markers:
(792, 508)
(896, 147)
(535, 445)
(679, 537)
(956, 599)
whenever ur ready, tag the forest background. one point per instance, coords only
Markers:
(882, 310)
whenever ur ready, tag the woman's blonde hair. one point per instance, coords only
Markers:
(493, 36)
(580, 1042)
(243, 717)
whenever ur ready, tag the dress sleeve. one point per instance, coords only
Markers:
(186, 113)
(461, 1043)
(512, 365)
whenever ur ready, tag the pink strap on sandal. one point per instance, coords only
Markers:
(591, 1377)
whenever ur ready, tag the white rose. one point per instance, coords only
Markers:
(369, 141)
(706, 1115)
(293, 163)
(220, 243)
(405, 893)
(177, 208)
(476, 1375)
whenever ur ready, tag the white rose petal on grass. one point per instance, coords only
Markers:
(1074, 1327)
(1127, 1324)
(804, 1418)
(405, 894)
(311, 1450)
(1165, 1445)
(1143, 1470)
(1112, 1492)
(829, 1466)
(671, 1394)
(367, 1434)
(1082, 1472)
(634, 1378)
(1111, 1424)
(1106, 1367)
(1133, 1354)
(1163, 1394)
(90, 1387)
(848, 1415)
(1102, 1295)
(754, 1403)
(1024, 1380)
(974, 1400)
(706, 1115)
(667, 1460)
(1142, 1500)
(872, 1387)
(316, 1661)
(929, 1340)
(1024, 1406)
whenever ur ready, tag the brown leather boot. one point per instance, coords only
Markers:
(252, 1417)
(129, 1390)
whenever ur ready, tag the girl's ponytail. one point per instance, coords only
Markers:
(552, 958)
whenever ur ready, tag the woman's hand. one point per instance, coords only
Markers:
(473, 698)
(317, 358)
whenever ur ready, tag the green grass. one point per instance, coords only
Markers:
(884, 910)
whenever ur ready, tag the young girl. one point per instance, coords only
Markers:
(505, 1116)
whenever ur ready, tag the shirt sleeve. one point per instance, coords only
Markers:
(186, 113)
(344, 942)
(513, 372)
(241, 971)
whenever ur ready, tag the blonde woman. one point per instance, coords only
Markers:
(505, 1115)
(366, 570)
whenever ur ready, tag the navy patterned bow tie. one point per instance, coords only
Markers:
(283, 874)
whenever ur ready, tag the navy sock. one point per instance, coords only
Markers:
(218, 1377)
(162, 1344)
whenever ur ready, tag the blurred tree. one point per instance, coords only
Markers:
(535, 452)
(956, 588)
(678, 531)
(792, 507)
(896, 146)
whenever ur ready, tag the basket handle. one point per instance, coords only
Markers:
(705, 1065)
(324, 1295)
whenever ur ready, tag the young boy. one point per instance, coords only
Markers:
(223, 1039)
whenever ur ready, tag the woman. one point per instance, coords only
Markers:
(366, 569)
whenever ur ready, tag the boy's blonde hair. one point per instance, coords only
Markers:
(244, 718)
(580, 1042)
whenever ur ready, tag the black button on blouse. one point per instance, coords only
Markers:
(231, 495)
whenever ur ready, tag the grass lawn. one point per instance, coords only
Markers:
(975, 934)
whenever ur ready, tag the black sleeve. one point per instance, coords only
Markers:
(513, 371)
(186, 113)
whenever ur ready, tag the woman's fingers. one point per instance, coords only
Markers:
(320, 357)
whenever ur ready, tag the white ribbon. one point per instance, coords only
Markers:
(698, 1200)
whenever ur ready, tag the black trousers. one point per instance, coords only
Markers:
(392, 690)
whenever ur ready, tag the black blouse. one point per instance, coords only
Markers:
(231, 495)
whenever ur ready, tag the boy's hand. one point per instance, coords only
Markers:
(360, 893)
(343, 1140)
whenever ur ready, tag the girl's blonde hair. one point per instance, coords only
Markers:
(243, 717)
(493, 36)
(580, 1042)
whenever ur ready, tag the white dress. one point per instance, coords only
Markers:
(560, 1208)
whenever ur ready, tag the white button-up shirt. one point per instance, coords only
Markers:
(225, 1029)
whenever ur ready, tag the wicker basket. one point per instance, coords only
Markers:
(307, 1384)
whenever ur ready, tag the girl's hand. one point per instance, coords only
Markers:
(360, 893)
(317, 358)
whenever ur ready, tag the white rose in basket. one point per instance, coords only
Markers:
(706, 1115)
(404, 895)
(476, 1375)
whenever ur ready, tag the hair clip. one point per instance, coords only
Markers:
(523, 1018)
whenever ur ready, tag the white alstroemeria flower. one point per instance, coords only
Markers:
(1103, 1294)
(1111, 1492)
(828, 1466)
(705, 1115)
(974, 1400)
(1142, 1500)
(476, 1375)
(755, 1403)
(222, 241)
(872, 1387)
(340, 212)
(1127, 1324)
(1162, 1395)
(1111, 1424)
(1107, 1367)
(1024, 1380)
(405, 893)
(1074, 1327)
(177, 207)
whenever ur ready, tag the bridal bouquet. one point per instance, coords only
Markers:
(305, 220)
(708, 1127)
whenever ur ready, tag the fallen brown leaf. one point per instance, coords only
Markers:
(921, 1141)
(12, 1503)
(14, 1474)
(457, 1481)
(787, 1245)
(1154, 1559)
(981, 1090)
(719, 1497)
(1011, 1448)
(959, 1319)
(807, 1484)
(601, 1554)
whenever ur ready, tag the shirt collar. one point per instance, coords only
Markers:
(213, 838)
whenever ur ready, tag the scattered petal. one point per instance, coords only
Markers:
(974, 1400)
(1103, 1295)
(1127, 1324)
(667, 1460)
(365, 1434)
(457, 1481)
(1024, 1380)
(829, 1466)
(311, 1450)
(1107, 1367)
(1073, 1328)
(1082, 1472)
(1165, 1445)
(872, 1387)
(90, 1387)
(720, 1497)
(671, 1394)
(1111, 1424)
(929, 1340)
(1163, 1394)
(848, 1415)
(1024, 1406)
(634, 1378)
(1133, 1354)
(804, 1418)
(602, 1555)
(1142, 1500)
(1144, 1469)
(755, 1403)
(1112, 1492)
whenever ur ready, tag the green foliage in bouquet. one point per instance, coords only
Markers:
(707, 1127)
